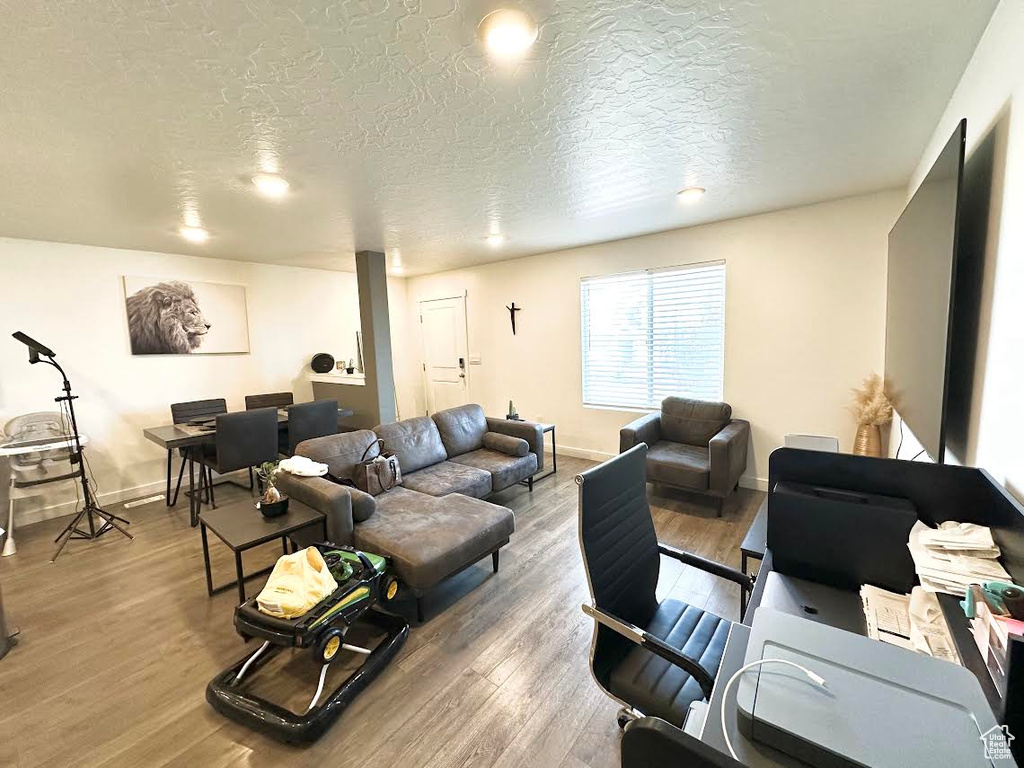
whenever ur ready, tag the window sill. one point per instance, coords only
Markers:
(619, 408)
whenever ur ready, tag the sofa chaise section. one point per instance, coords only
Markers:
(431, 538)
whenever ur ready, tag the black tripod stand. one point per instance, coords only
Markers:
(90, 509)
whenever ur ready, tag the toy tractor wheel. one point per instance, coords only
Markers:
(328, 646)
(388, 589)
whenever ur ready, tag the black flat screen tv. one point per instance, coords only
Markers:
(919, 298)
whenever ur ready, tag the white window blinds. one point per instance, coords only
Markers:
(651, 334)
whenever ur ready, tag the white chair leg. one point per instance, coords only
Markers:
(9, 546)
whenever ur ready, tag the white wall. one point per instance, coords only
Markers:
(991, 96)
(71, 298)
(805, 316)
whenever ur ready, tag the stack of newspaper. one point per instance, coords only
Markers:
(913, 621)
(955, 555)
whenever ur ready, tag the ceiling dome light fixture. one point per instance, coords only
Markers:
(691, 195)
(508, 34)
(270, 185)
(194, 234)
(496, 240)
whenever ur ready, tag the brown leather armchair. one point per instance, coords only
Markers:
(694, 445)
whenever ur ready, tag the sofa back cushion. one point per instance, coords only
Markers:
(340, 452)
(416, 442)
(693, 422)
(462, 429)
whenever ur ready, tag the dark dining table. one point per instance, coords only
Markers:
(190, 439)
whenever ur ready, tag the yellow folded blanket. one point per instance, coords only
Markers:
(298, 582)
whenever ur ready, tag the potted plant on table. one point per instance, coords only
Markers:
(272, 503)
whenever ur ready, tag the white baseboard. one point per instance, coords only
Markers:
(752, 483)
(38, 514)
(579, 453)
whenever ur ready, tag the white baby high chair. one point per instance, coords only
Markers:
(36, 444)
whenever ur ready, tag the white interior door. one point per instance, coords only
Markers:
(445, 352)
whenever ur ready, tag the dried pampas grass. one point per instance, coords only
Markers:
(872, 402)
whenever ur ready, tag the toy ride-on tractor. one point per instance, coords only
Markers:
(363, 585)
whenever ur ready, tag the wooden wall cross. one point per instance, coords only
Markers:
(512, 314)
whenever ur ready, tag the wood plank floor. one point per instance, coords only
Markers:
(119, 639)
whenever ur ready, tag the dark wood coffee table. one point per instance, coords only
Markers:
(241, 526)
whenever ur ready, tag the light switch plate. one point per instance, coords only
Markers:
(474, 359)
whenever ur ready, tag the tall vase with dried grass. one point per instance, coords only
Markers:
(872, 407)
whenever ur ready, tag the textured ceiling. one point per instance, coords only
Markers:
(397, 132)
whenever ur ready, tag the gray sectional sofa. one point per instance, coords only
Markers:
(436, 523)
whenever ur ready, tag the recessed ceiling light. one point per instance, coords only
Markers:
(691, 195)
(194, 234)
(397, 269)
(508, 34)
(496, 240)
(270, 185)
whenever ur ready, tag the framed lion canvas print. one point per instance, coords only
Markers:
(185, 317)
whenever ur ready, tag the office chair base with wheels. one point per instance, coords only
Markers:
(654, 658)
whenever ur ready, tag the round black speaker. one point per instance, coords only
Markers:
(322, 363)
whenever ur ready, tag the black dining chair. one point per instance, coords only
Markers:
(270, 400)
(243, 440)
(318, 418)
(182, 413)
(653, 658)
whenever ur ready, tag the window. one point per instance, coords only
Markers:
(651, 334)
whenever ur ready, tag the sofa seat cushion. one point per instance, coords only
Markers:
(449, 477)
(686, 466)
(505, 470)
(430, 538)
(658, 688)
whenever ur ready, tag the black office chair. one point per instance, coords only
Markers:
(181, 413)
(653, 658)
(269, 400)
(244, 440)
(308, 420)
(652, 743)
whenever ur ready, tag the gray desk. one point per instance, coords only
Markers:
(751, 753)
(174, 436)
(754, 545)
(958, 686)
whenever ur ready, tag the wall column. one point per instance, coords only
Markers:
(372, 281)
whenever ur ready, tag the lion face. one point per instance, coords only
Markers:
(166, 319)
(193, 324)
